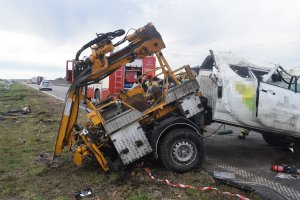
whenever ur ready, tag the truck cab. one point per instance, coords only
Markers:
(263, 98)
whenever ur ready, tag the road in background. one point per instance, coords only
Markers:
(57, 91)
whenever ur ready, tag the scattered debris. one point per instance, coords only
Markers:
(286, 171)
(284, 168)
(224, 175)
(291, 150)
(44, 158)
(287, 176)
(12, 114)
(228, 178)
(225, 132)
(23, 111)
(83, 193)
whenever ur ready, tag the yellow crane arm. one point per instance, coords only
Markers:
(143, 42)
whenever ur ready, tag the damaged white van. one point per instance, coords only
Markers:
(265, 99)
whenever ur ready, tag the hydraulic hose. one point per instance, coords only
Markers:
(99, 39)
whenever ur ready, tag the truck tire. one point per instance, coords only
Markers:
(181, 150)
(275, 140)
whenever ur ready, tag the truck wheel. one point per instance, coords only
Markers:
(181, 150)
(275, 140)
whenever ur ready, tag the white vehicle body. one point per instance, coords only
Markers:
(261, 98)
(45, 85)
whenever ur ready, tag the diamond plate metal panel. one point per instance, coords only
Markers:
(122, 120)
(182, 90)
(131, 143)
(191, 106)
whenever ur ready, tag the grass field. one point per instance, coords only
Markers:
(25, 175)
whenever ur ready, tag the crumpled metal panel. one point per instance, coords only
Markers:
(131, 143)
(122, 120)
(191, 106)
(182, 90)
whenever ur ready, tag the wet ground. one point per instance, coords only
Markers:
(250, 160)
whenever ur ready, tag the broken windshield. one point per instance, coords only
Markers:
(284, 80)
(241, 71)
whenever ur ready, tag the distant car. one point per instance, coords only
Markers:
(45, 85)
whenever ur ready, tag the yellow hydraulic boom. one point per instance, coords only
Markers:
(143, 42)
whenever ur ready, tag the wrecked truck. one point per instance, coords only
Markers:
(165, 123)
(263, 98)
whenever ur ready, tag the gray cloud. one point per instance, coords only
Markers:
(60, 20)
(263, 30)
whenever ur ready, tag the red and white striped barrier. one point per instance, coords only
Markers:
(169, 183)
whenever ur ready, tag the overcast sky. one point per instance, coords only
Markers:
(37, 36)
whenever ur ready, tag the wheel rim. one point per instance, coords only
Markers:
(184, 152)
